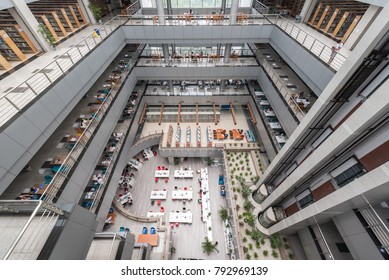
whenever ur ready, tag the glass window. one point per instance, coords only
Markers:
(307, 200)
(245, 3)
(349, 175)
(196, 3)
(148, 3)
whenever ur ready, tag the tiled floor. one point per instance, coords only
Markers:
(187, 238)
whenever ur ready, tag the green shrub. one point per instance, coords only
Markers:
(245, 249)
(250, 246)
(265, 253)
(248, 257)
(244, 239)
(274, 254)
(255, 255)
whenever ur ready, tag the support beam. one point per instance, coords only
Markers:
(351, 28)
(12, 45)
(81, 14)
(161, 114)
(84, 6)
(26, 38)
(227, 52)
(197, 113)
(25, 19)
(233, 113)
(161, 12)
(331, 20)
(307, 9)
(58, 21)
(315, 14)
(51, 29)
(323, 16)
(142, 116)
(340, 23)
(65, 16)
(74, 16)
(4, 63)
(179, 113)
(253, 119)
(214, 113)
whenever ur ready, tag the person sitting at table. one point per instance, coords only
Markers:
(28, 197)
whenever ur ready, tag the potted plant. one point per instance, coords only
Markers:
(47, 35)
(96, 11)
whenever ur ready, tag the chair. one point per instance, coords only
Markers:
(185, 189)
(159, 167)
(152, 230)
(177, 224)
(121, 229)
(172, 225)
(163, 167)
(162, 210)
(158, 202)
(156, 180)
(166, 180)
(144, 231)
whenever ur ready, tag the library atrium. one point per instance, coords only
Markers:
(272, 117)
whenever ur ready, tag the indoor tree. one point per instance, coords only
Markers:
(223, 213)
(208, 246)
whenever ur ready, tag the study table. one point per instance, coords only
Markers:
(158, 195)
(180, 217)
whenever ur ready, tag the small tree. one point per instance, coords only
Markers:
(246, 192)
(96, 11)
(275, 241)
(274, 254)
(265, 253)
(247, 205)
(223, 213)
(249, 218)
(256, 235)
(46, 34)
(208, 246)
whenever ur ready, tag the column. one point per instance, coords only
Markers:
(171, 86)
(362, 26)
(27, 21)
(307, 9)
(218, 49)
(169, 7)
(234, 11)
(165, 50)
(161, 12)
(227, 52)
(84, 5)
(173, 46)
(224, 5)
(223, 85)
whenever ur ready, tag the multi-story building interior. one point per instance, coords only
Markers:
(223, 129)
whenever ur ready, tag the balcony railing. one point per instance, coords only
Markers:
(133, 8)
(51, 192)
(260, 7)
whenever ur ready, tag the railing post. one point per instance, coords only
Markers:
(30, 87)
(13, 104)
(47, 77)
(59, 67)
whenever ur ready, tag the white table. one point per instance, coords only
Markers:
(205, 202)
(184, 218)
(264, 102)
(125, 198)
(275, 125)
(269, 113)
(136, 164)
(152, 214)
(183, 173)
(162, 173)
(147, 153)
(179, 194)
(158, 195)
(281, 139)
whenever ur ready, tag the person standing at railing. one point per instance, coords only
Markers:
(334, 51)
(339, 45)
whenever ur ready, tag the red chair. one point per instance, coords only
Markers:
(156, 180)
(172, 225)
(159, 167)
(162, 209)
(158, 202)
(166, 180)
(177, 224)
(163, 167)
(185, 189)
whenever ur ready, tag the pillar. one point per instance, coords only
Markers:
(165, 50)
(218, 49)
(169, 7)
(224, 5)
(84, 5)
(223, 84)
(173, 46)
(28, 22)
(161, 12)
(307, 9)
(365, 22)
(227, 52)
(234, 11)
(171, 89)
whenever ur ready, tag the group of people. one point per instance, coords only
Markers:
(335, 50)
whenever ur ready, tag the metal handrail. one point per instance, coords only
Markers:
(133, 8)
(51, 191)
(283, 90)
(260, 7)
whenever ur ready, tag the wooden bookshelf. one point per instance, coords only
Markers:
(337, 18)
